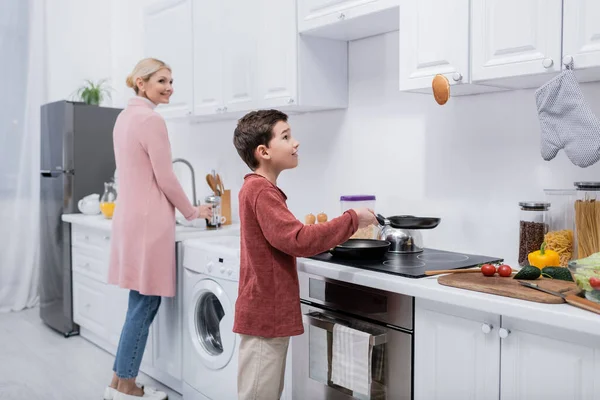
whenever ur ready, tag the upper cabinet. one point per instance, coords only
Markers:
(244, 56)
(347, 19)
(434, 39)
(581, 38)
(168, 37)
(516, 38)
(208, 59)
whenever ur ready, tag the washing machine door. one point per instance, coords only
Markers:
(210, 324)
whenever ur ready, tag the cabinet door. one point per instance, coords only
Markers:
(208, 56)
(547, 363)
(514, 37)
(239, 49)
(168, 37)
(454, 358)
(581, 33)
(277, 53)
(167, 337)
(434, 39)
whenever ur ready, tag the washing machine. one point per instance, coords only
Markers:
(210, 288)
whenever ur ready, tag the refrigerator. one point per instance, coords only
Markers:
(77, 157)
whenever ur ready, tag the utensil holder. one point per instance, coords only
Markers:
(226, 206)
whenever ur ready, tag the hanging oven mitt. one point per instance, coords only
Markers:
(567, 122)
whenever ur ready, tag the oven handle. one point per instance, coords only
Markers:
(327, 322)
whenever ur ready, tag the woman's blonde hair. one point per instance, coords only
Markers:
(144, 69)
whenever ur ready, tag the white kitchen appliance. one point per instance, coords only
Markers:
(210, 289)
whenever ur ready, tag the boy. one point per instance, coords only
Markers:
(267, 311)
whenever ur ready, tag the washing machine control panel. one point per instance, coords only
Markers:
(217, 257)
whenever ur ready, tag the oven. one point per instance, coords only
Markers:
(386, 316)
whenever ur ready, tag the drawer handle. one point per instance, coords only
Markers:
(327, 322)
(342, 16)
(106, 237)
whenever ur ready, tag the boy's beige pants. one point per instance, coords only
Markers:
(261, 367)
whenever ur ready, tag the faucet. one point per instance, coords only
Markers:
(186, 162)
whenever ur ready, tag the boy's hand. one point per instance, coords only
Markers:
(205, 211)
(366, 217)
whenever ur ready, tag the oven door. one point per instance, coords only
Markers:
(391, 369)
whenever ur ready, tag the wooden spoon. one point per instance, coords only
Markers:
(220, 186)
(210, 179)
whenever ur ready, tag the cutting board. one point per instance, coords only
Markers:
(509, 287)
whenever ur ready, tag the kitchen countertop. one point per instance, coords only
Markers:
(181, 232)
(560, 315)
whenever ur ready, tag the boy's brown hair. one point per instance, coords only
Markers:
(254, 129)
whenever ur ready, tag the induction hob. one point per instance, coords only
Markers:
(413, 265)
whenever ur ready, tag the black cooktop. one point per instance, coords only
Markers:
(413, 265)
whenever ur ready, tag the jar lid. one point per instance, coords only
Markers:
(587, 185)
(360, 197)
(534, 205)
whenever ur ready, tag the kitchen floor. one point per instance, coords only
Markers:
(38, 363)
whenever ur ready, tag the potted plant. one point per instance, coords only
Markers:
(93, 93)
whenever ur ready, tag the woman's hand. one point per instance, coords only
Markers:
(205, 211)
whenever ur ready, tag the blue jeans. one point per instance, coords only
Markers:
(140, 314)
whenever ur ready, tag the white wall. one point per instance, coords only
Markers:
(78, 45)
(469, 162)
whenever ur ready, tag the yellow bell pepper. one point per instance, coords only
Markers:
(544, 258)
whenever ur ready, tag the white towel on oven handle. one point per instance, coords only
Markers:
(351, 359)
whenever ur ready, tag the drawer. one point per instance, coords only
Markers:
(89, 304)
(90, 238)
(91, 265)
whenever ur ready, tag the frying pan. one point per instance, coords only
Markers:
(409, 222)
(361, 249)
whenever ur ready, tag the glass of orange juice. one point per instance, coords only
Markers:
(108, 200)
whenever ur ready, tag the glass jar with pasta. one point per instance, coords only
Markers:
(587, 218)
(561, 224)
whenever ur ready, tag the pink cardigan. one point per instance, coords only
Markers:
(142, 253)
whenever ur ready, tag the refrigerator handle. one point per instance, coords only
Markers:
(50, 174)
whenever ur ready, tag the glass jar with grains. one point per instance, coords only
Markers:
(587, 218)
(560, 236)
(534, 219)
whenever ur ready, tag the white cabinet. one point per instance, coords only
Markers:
(516, 38)
(581, 37)
(457, 353)
(347, 19)
(168, 37)
(100, 308)
(434, 39)
(208, 59)
(548, 363)
(249, 59)
(467, 354)
(277, 54)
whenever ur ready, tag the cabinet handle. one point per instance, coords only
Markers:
(219, 110)
(106, 237)
(567, 60)
(486, 328)
(548, 62)
(457, 77)
(503, 333)
(290, 101)
(87, 237)
(224, 109)
(342, 16)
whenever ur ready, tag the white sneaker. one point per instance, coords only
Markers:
(109, 393)
(149, 394)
